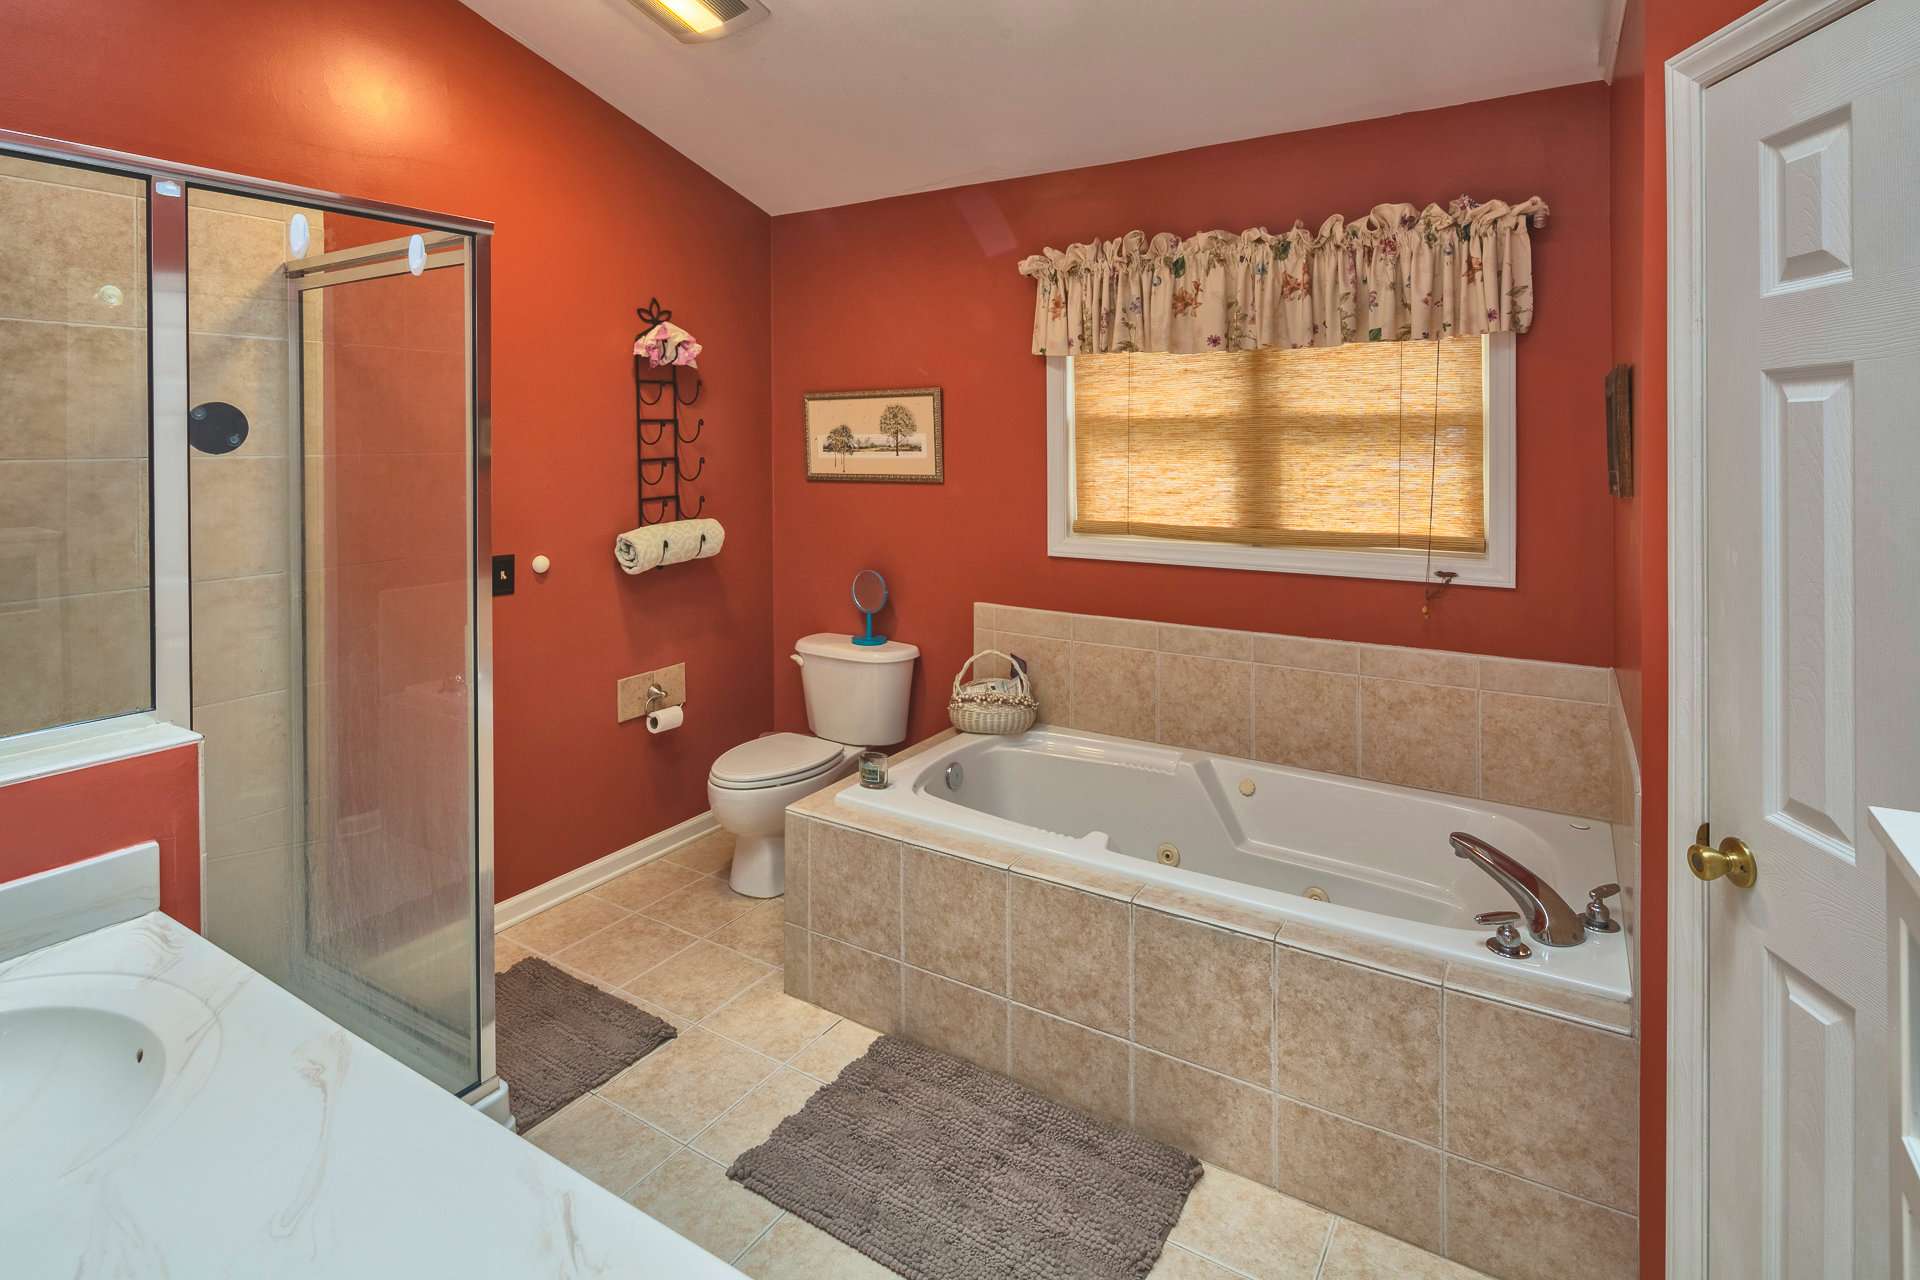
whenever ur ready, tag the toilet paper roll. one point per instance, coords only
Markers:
(664, 719)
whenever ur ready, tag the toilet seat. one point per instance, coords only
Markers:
(775, 761)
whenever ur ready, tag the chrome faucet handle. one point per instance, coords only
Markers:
(1598, 919)
(1506, 939)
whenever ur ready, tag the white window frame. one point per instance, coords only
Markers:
(1494, 569)
(167, 723)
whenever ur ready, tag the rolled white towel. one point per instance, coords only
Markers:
(638, 550)
(691, 540)
(671, 542)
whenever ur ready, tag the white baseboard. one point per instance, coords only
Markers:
(557, 890)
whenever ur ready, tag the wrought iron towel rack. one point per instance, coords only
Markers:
(670, 395)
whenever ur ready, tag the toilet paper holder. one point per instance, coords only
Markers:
(656, 697)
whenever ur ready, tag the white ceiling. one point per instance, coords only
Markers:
(828, 102)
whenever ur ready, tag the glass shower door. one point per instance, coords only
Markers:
(333, 615)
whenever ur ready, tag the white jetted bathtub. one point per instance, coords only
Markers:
(1363, 857)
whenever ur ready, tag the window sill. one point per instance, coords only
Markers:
(1393, 566)
(70, 747)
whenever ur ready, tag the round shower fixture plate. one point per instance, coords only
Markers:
(695, 21)
(216, 427)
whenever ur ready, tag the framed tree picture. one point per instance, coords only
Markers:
(875, 435)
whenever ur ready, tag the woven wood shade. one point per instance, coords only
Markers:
(1321, 446)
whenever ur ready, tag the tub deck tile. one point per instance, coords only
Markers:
(1519, 990)
(988, 853)
(1077, 875)
(1238, 917)
(824, 803)
(1341, 945)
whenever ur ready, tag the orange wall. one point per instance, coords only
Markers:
(69, 817)
(1654, 31)
(921, 291)
(423, 103)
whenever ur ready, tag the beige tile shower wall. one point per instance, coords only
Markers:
(1538, 734)
(243, 611)
(74, 556)
(1414, 1096)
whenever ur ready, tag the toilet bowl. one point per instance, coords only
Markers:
(749, 790)
(856, 697)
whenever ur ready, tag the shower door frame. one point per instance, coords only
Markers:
(334, 989)
(167, 185)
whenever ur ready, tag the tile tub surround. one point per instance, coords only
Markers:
(661, 1134)
(1539, 734)
(1357, 1077)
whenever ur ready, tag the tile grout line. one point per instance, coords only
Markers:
(900, 933)
(1133, 977)
(1359, 728)
(755, 1242)
(1479, 745)
(1006, 955)
(1273, 1057)
(1326, 1245)
(1215, 1259)
(1443, 1123)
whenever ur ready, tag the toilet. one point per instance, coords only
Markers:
(856, 698)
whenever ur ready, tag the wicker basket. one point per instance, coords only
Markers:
(1004, 705)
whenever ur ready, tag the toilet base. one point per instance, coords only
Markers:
(759, 866)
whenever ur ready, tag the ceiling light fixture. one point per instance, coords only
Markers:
(691, 21)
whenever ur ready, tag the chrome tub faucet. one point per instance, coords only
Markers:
(1546, 914)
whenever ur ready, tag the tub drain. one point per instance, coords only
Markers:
(1317, 894)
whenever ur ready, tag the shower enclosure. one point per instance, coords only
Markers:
(311, 499)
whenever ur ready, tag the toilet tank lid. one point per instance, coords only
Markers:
(831, 644)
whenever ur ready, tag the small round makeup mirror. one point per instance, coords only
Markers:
(869, 597)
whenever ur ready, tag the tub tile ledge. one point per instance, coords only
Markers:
(1234, 916)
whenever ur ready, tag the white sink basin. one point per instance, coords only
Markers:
(86, 1059)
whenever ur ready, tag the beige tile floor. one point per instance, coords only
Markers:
(672, 937)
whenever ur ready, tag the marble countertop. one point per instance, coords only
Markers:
(290, 1147)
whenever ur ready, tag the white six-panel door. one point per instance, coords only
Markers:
(1811, 236)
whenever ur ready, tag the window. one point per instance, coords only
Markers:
(1345, 460)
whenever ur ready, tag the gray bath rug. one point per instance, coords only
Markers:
(557, 1037)
(943, 1170)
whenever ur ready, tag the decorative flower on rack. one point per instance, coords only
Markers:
(666, 344)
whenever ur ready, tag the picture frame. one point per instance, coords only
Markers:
(887, 437)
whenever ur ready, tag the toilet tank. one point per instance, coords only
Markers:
(856, 694)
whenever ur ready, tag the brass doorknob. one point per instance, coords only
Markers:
(1732, 859)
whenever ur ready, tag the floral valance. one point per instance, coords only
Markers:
(1397, 274)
